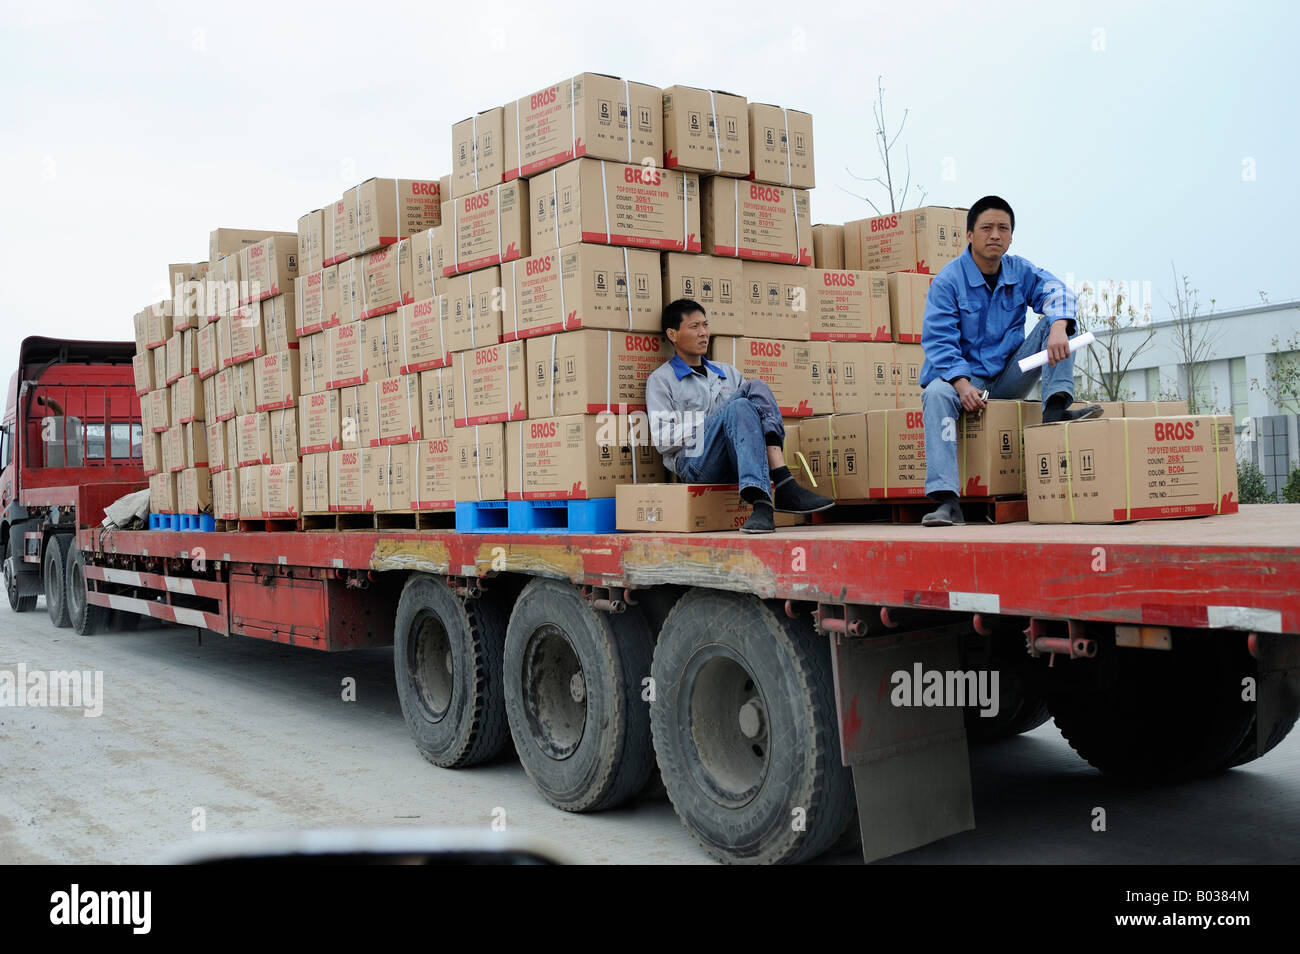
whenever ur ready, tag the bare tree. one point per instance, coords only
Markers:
(1282, 386)
(1110, 316)
(1193, 339)
(884, 145)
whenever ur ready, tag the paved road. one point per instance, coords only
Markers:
(259, 738)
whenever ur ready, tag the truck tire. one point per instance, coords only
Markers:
(1246, 751)
(17, 602)
(56, 562)
(745, 730)
(573, 684)
(1020, 709)
(1162, 716)
(447, 658)
(87, 618)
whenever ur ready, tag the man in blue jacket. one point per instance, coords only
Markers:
(974, 337)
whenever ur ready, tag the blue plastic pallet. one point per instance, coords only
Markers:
(201, 522)
(536, 516)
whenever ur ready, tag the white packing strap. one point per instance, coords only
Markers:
(514, 296)
(478, 467)
(334, 459)
(552, 376)
(609, 371)
(604, 189)
(469, 312)
(433, 276)
(473, 148)
(685, 218)
(507, 346)
(329, 345)
(365, 298)
(464, 387)
(411, 415)
(383, 343)
(397, 209)
(555, 200)
(794, 208)
(573, 115)
(389, 482)
(785, 115)
(415, 478)
(735, 192)
(378, 416)
(442, 339)
(520, 456)
(627, 284)
(627, 101)
(405, 331)
(455, 237)
(631, 443)
(500, 252)
(357, 190)
(717, 145)
(564, 309)
(397, 264)
(519, 143)
(261, 453)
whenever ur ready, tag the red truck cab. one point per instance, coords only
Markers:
(70, 444)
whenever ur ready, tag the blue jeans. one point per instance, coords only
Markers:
(941, 405)
(732, 446)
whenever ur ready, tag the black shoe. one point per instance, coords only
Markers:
(1055, 415)
(947, 514)
(760, 521)
(791, 497)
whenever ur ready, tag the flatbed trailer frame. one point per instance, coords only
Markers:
(885, 597)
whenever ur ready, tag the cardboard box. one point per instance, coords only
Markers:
(685, 508)
(472, 318)
(794, 458)
(158, 324)
(896, 453)
(316, 301)
(225, 494)
(230, 286)
(142, 366)
(759, 222)
(281, 496)
(478, 152)
(344, 357)
(315, 469)
(160, 366)
(706, 131)
(485, 228)
(223, 242)
(251, 493)
(397, 404)
(182, 355)
(314, 362)
(209, 361)
(872, 376)
(990, 447)
(276, 381)
(835, 447)
(173, 449)
(320, 422)
(160, 410)
(777, 301)
(591, 114)
(311, 241)
(284, 435)
(386, 478)
(433, 474)
(141, 322)
(218, 459)
(716, 283)
(1152, 409)
(385, 280)
(194, 490)
(849, 306)
(150, 451)
(574, 457)
(828, 246)
(421, 341)
(345, 494)
(241, 336)
(381, 212)
(491, 384)
(1112, 470)
(187, 400)
(162, 493)
(581, 286)
(236, 391)
(437, 403)
(428, 249)
(279, 323)
(918, 240)
(781, 146)
(908, 293)
(1116, 408)
(269, 267)
(480, 462)
(209, 398)
(786, 366)
(609, 203)
(343, 228)
(381, 347)
(586, 372)
(253, 439)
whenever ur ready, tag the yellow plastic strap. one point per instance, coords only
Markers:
(830, 455)
(1218, 485)
(1069, 472)
(1020, 432)
(803, 462)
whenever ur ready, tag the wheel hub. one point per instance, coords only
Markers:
(729, 729)
(554, 692)
(431, 666)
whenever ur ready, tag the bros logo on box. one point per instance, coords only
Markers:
(486, 356)
(535, 266)
(425, 188)
(643, 176)
(884, 222)
(473, 202)
(841, 279)
(544, 98)
(543, 429)
(438, 447)
(766, 193)
(391, 387)
(641, 343)
(766, 349)
(915, 419)
(1175, 430)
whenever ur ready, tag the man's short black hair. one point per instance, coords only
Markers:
(983, 205)
(679, 309)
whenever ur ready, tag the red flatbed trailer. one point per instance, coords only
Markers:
(1140, 639)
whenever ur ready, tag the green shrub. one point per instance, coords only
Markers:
(1291, 489)
(1251, 485)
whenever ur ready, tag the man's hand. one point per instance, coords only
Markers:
(970, 396)
(1058, 342)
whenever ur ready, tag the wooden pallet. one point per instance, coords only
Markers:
(1006, 509)
(263, 525)
(384, 520)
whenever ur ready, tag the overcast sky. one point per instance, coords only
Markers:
(1125, 139)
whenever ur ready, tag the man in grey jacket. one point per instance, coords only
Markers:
(714, 426)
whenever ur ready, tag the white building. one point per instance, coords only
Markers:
(1241, 359)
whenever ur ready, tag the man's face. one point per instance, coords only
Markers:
(692, 338)
(992, 234)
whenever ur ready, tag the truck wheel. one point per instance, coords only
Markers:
(745, 730)
(447, 657)
(574, 679)
(1162, 716)
(19, 604)
(1020, 710)
(87, 618)
(1246, 751)
(56, 561)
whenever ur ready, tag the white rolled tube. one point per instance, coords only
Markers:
(1040, 359)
